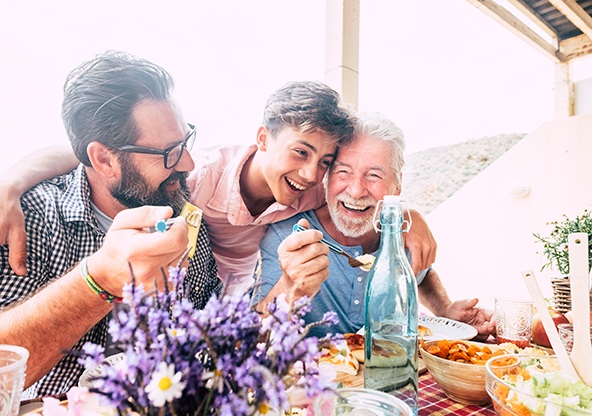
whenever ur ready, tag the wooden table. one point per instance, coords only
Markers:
(432, 400)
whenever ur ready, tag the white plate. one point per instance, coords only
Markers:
(444, 328)
(85, 381)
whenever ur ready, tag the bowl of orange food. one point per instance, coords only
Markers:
(458, 367)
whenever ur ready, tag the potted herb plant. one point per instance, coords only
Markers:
(556, 250)
(555, 247)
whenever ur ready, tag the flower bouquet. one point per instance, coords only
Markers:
(222, 360)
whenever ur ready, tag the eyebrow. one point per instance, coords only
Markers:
(379, 168)
(314, 149)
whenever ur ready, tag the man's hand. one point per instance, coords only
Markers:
(128, 243)
(303, 259)
(466, 311)
(421, 243)
(12, 231)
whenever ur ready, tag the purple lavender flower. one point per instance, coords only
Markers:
(228, 359)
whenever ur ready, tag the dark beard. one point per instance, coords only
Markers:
(132, 190)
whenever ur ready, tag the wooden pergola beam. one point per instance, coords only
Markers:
(574, 48)
(576, 14)
(532, 14)
(342, 51)
(514, 25)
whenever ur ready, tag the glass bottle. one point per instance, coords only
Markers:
(391, 313)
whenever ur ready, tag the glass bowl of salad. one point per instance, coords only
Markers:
(535, 387)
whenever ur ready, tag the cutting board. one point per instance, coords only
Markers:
(358, 380)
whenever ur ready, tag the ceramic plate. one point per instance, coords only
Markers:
(443, 328)
(85, 378)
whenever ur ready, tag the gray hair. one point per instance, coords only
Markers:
(380, 127)
(101, 94)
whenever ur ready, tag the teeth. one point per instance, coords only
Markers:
(354, 207)
(296, 185)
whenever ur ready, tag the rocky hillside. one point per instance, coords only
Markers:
(433, 175)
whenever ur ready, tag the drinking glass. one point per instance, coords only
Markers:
(368, 402)
(13, 361)
(513, 321)
(566, 336)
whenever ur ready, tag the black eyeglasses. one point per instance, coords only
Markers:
(172, 155)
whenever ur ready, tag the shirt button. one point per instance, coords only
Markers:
(357, 253)
(357, 302)
(359, 279)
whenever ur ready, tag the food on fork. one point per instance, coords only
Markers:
(367, 259)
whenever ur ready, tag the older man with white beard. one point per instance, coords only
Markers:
(364, 172)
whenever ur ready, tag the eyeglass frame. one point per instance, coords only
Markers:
(187, 143)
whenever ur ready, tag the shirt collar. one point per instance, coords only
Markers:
(75, 203)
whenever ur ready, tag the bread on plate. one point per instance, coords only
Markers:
(423, 331)
(340, 358)
(355, 343)
(387, 354)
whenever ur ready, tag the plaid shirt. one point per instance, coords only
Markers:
(62, 230)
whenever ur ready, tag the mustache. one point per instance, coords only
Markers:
(175, 176)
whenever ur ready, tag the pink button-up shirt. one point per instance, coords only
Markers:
(234, 232)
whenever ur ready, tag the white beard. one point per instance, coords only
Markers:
(348, 226)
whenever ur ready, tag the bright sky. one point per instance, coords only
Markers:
(441, 69)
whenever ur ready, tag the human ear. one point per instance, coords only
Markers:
(103, 159)
(398, 190)
(262, 137)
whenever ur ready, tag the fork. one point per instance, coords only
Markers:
(191, 218)
(355, 263)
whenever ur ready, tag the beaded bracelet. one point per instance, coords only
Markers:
(106, 296)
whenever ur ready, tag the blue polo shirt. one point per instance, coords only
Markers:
(344, 291)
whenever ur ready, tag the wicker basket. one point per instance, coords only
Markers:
(562, 295)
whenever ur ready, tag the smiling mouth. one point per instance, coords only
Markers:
(355, 208)
(294, 185)
(173, 185)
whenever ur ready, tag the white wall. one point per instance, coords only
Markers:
(485, 236)
(583, 97)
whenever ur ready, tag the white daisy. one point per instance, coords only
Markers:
(165, 385)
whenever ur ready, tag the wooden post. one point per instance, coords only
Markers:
(343, 48)
(564, 91)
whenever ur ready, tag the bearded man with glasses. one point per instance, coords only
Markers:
(132, 141)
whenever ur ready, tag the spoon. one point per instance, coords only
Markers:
(355, 263)
(567, 367)
(581, 353)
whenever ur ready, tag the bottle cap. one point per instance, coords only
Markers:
(392, 198)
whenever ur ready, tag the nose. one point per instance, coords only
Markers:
(310, 172)
(356, 188)
(186, 164)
